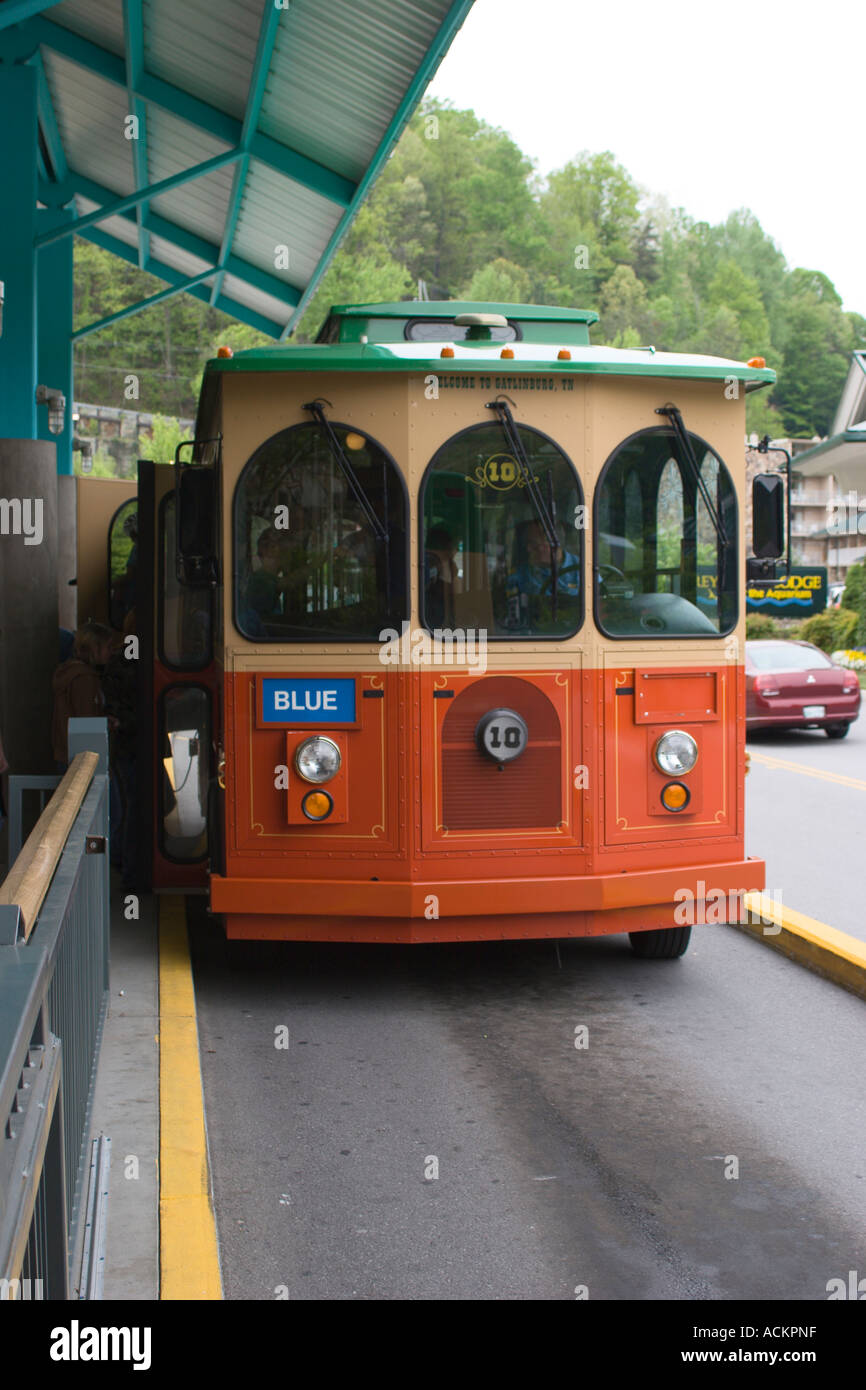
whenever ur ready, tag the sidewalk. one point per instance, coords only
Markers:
(126, 1103)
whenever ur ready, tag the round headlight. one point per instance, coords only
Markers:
(317, 759)
(675, 753)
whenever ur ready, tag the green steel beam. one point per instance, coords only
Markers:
(261, 65)
(108, 66)
(18, 11)
(181, 237)
(54, 298)
(48, 120)
(140, 304)
(18, 263)
(423, 76)
(133, 45)
(132, 200)
(165, 272)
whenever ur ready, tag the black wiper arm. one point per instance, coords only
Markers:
(688, 458)
(544, 514)
(338, 454)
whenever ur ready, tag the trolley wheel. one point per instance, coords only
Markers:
(836, 730)
(666, 944)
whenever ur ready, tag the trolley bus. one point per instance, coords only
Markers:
(448, 632)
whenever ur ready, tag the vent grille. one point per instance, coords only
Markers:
(526, 794)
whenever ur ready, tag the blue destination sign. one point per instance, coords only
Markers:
(308, 701)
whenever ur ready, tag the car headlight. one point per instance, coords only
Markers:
(675, 753)
(317, 759)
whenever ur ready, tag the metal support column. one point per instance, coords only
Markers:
(18, 173)
(54, 323)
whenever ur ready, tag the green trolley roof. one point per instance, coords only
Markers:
(559, 328)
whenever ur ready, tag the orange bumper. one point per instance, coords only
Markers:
(353, 898)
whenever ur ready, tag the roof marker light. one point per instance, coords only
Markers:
(563, 355)
(507, 352)
(224, 351)
(447, 352)
(757, 362)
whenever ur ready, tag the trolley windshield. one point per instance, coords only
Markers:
(314, 557)
(666, 561)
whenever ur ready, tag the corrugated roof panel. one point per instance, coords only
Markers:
(199, 206)
(98, 20)
(276, 212)
(171, 255)
(90, 116)
(339, 72)
(207, 47)
(174, 145)
(261, 303)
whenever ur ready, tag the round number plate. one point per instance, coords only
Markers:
(502, 734)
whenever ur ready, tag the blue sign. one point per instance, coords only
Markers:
(308, 701)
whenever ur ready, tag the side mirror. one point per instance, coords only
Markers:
(768, 516)
(195, 501)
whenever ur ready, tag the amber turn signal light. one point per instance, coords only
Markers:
(675, 797)
(317, 805)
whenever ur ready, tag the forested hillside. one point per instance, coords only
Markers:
(461, 208)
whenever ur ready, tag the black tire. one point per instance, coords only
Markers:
(836, 730)
(666, 944)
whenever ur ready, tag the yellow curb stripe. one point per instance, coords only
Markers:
(189, 1254)
(838, 777)
(821, 948)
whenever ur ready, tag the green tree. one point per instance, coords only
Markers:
(590, 208)
(623, 309)
(500, 282)
(817, 339)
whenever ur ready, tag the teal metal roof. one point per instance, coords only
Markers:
(259, 126)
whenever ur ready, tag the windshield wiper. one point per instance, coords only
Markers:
(338, 454)
(687, 455)
(545, 515)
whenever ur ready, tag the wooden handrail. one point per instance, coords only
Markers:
(29, 878)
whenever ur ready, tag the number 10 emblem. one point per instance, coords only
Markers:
(502, 734)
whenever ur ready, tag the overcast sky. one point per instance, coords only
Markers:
(716, 106)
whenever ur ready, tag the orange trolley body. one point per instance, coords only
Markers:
(538, 787)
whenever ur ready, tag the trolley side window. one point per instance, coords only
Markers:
(319, 549)
(665, 541)
(122, 561)
(487, 560)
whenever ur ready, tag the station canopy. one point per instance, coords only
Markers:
(224, 145)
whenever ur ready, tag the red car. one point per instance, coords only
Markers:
(793, 685)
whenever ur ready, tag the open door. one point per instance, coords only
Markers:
(179, 694)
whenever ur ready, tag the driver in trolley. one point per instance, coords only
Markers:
(533, 577)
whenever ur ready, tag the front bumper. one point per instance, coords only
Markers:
(512, 897)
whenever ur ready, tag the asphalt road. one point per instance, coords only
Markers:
(806, 816)
(558, 1167)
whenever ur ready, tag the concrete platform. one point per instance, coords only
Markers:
(126, 1103)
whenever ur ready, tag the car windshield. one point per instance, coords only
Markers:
(784, 656)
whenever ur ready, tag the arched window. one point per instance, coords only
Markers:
(487, 561)
(669, 567)
(319, 540)
(122, 561)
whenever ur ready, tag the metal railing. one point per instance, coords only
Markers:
(54, 958)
